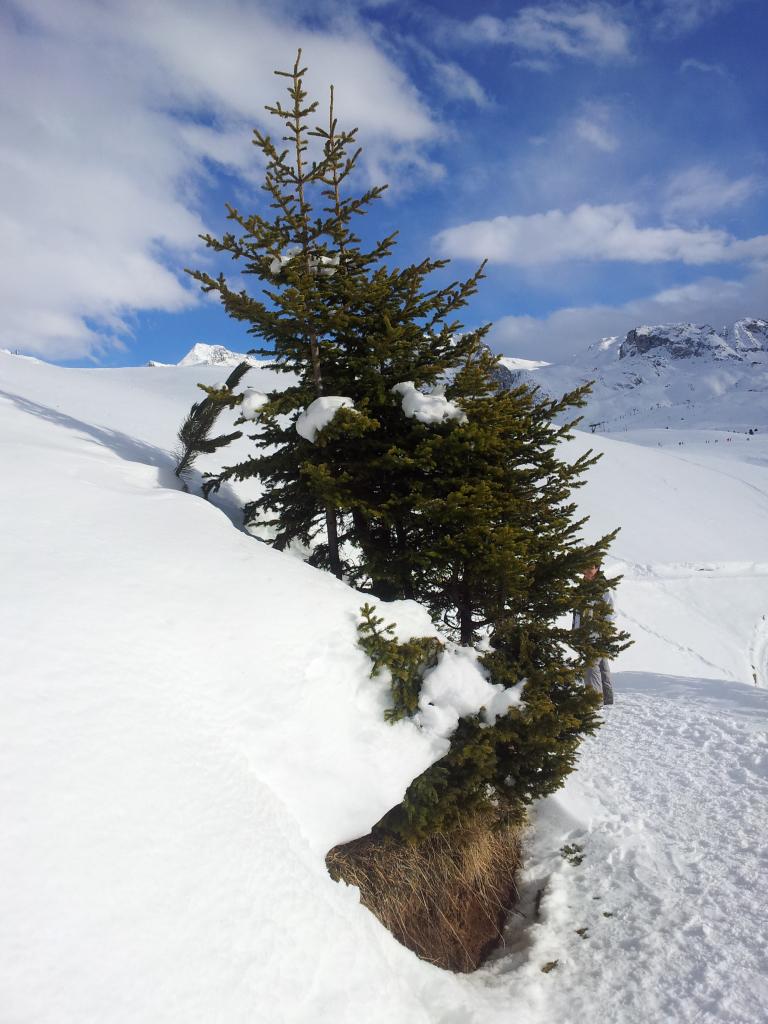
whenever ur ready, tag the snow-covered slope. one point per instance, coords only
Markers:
(189, 727)
(673, 375)
(514, 363)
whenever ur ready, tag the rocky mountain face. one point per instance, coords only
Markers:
(671, 375)
(682, 341)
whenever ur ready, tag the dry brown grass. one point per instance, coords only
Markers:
(445, 898)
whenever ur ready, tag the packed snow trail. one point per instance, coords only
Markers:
(669, 808)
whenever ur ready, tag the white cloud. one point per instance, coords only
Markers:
(607, 232)
(701, 190)
(596, 134)
(594, 127)
(540, 64)
(711, 300)
(680, 16)
(452, 80)
(558, 168)
(456, 83)
(691, 64)
(590, 32)
(111, 111)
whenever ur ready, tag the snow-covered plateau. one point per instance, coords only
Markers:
(188, 727)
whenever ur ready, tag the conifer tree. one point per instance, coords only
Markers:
(470, 512)
(496, 555)
(345, 323)
(194, 433)
(289, 254)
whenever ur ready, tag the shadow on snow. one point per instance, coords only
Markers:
(132, 449)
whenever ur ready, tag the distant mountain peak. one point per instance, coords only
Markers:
(683, 341)
(670, 376)
(210, 355)
(214, 355)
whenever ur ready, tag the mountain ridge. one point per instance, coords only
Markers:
(658, 376)
(686, 340)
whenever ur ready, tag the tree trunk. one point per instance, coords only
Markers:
(466, 621)
(331, 527)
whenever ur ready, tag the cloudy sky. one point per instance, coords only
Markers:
(610, 159)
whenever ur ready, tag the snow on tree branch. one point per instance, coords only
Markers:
(252, 404)
(434, 408)
(319, 414)
(326, 266)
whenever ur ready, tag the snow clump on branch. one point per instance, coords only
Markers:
(458, 687)
(434, 408)
(319, 414)
(252, 404)
(325, 266)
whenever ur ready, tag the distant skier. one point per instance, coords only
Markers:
(598, 676)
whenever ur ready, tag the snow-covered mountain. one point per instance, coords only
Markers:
(210, 355)
(188, 726)
(741, 341)
(672, 375)
(513, 363)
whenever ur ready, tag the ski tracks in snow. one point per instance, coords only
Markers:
(718, 607)
(663, 919)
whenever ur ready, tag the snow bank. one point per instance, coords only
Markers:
(319, 414)
(692, 550)
(19, 355)
(434, 408)
(190, 727)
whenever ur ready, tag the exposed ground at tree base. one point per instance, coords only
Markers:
(446, 898)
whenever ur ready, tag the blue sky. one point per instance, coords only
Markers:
(610, 159)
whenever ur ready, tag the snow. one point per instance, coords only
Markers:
(212, 355)
(326, 266)
(278, 262)
(433, 408)
(319, 414)
(165, 680)
(456, 687)
(19, 355)
(669, 809)
(189, 725)
(252, 404)
(516, 363)
(502, 700)
(671, 377)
